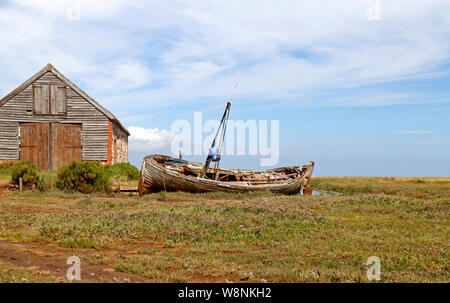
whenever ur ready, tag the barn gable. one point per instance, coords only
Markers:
(19, 108)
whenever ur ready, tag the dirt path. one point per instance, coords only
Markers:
(51, 260)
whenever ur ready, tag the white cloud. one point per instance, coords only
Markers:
(164, 52)
(147, 140)
(122, 76)
(97, 9)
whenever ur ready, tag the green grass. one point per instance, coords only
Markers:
(5, 173)
(179, 237)
(11, 274)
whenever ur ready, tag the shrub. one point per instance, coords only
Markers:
(85, 177)
(6, 168)
(125, 171)
(27, 171)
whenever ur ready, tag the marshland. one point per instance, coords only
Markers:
(220, 237)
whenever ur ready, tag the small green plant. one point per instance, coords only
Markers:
(125, 171)
(85, 177)
(27, 171)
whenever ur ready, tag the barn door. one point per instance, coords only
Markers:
(65, 144)
(34, 141)
(50, 146)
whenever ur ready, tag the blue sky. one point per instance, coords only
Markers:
(360, 97)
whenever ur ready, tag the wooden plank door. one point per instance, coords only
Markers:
(34, 142)
(66, 144)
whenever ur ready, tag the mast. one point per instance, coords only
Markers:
(212, 156)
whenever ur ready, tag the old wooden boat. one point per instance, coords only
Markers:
(165, 173)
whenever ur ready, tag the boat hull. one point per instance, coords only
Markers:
(156, 177)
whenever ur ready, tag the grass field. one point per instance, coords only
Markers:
(179, 237)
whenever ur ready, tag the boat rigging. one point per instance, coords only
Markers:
(215, 154)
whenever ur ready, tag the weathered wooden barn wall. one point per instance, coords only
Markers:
(20, 109)
(41, 101)
(8, 140)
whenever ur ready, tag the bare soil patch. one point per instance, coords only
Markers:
(7, 188)
(52, 260)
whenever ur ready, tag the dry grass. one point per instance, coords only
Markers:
(178, 237)
(419, 188)
(5, 178)
(14, 274)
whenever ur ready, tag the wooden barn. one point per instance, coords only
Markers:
(49, 121)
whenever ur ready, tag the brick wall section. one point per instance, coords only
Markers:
(119, 145)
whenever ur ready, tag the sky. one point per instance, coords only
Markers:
(360, 88)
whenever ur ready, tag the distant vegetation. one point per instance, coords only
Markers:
(421, 188)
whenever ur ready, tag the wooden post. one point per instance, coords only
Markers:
(20, 184)
(119, 187)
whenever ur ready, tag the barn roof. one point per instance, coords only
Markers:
(54, 71)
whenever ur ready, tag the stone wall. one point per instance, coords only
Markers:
(119, 145)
